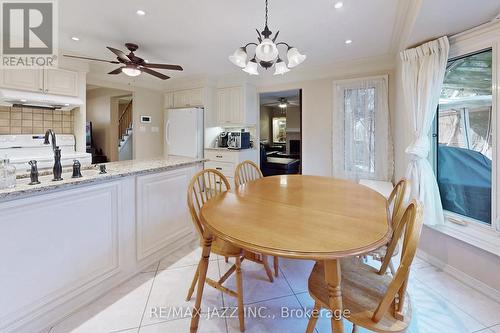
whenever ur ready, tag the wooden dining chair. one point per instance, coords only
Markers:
(203, 186)
(245, 172)
(395, 203)
(377, 302)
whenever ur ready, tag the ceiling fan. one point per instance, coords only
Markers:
(132, 64)
(283, 102)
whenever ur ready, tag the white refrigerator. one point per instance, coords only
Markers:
(183, 130)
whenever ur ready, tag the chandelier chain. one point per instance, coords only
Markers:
(266, 13)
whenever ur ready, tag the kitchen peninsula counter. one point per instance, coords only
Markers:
(65, 243)
(92, 175)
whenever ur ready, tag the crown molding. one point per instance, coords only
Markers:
(406, 15)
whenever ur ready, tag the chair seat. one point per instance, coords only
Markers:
(223, 248)
(381, 252)
(362, 290)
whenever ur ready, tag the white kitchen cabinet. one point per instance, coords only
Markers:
(226, 160)
(56, 245)
(22, 79)
(49, 81)
(60, 82)
(169, 100)
(188, 98)
(162, 213)
(62, 247)
(237, 106)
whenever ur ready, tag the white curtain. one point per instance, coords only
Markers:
(422, 75)
(362, 144)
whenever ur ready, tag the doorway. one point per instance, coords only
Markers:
(109, 127)
(281, 132)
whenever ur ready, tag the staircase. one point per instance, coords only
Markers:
(125, 131)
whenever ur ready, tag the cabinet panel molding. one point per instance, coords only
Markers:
(162, 214)
(74, 248)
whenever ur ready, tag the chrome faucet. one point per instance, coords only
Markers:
(57, 170)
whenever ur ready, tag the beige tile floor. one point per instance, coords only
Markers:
(441, 304)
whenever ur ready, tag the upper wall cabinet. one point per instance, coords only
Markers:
(169, 100)
(237, 106)
(188, 98)
(61, 82)
(199, 97)
(22, 79)
(49, 81)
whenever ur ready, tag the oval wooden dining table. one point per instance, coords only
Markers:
(298, 217)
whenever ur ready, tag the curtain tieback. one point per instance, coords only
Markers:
(419, 149)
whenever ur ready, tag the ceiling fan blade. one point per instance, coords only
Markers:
(122, 56)
(116, 71)
(93, 59)
(154, 73)
(164, 66)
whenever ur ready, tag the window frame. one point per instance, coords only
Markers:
(461, 227)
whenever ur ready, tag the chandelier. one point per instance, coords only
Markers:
(266, 54)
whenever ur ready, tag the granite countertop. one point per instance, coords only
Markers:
(92, 175)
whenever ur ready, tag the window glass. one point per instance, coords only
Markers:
(465, 137)
(359, 127)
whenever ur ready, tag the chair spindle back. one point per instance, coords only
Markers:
(203, 186)
(245, 172)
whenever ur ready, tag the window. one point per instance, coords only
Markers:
(464, 137)
(362, 147)
(359, 127)
(279, 130)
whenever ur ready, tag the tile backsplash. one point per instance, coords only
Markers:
(16, 120)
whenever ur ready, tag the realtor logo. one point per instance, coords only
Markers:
(28, 33)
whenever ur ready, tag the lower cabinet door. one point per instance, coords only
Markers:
(162, 213)
(55, 245)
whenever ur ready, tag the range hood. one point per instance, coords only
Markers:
(10, 97)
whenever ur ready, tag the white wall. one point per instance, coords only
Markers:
(317, 108)
(148, 138)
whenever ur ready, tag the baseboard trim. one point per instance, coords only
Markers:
(468, 280)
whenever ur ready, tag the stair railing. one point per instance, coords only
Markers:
(125, 120)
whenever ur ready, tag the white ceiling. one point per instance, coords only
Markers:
(273, 97)
(448, 17)
(200, 34)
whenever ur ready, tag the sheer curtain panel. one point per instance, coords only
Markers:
(423, 70)
(362, 145)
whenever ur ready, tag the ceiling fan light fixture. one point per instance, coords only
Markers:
(294, 57)
(338, 5)
(281, 68)
(251, 67)
(239, 57)
(266, 50)
(131, 71)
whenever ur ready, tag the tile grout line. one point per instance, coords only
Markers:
(222, 295)
(486, 328)
(295, 294)
(149, 295)
(452, 302)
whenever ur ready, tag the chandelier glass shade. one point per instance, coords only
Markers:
(266, 54)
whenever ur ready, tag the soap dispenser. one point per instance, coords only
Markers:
(7, 174)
